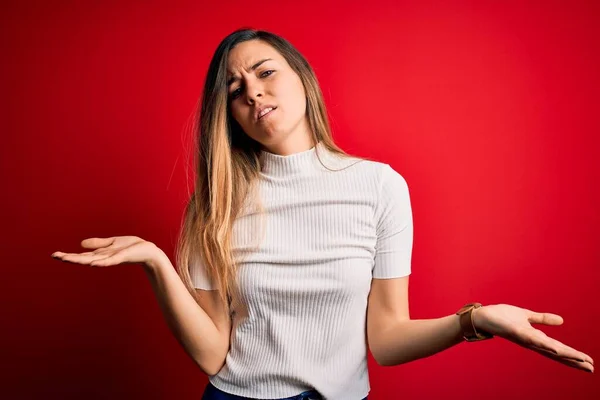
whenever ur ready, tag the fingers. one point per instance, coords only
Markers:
(552, 348)
(84, 258)
(578, 363)
(99, 244)
(108, 251)
(574, 354)
(566, 351)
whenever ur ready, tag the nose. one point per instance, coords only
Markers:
(253, 91)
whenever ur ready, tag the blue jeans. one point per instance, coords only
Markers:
(213, 393)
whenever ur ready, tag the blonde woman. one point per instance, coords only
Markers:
(294, 257)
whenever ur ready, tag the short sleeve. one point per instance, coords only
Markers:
(198, 274)
(393, 218)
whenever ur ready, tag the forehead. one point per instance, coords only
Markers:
(245, 54)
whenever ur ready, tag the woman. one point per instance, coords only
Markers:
(294, 255)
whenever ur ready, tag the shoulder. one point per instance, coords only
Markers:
(376, 172)
(381, 173)
(356, 165)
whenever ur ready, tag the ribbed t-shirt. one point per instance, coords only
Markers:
(301, 320)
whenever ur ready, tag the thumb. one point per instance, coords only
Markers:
(545, 318)
(96, 242)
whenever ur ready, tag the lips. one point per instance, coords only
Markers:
(272, 109)
(261, 109)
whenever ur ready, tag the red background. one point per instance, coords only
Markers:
(488, 109)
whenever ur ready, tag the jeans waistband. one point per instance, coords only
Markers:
(213, 393)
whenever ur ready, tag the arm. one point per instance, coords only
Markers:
(190, 324)
(396, 339)
(405, 341)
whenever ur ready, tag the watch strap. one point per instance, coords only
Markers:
(469, 332)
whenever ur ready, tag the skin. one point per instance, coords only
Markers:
(286, 131)
(394, 337)
(400, 338)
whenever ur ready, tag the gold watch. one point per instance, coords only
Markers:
(470, 334)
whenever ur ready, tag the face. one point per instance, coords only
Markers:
(258, 76)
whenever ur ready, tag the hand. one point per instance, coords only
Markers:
(114, 250)
(514, 324)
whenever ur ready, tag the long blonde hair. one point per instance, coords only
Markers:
(227, 165)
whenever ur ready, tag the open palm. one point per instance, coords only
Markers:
(514, 324)
(112, 251)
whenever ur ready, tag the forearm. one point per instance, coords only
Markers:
(410, 340)
(188, 322)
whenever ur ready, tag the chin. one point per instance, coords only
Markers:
(273, 134)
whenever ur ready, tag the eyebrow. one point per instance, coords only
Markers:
(252, 68)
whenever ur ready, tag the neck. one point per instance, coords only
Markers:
(299, 162)
(291, 146)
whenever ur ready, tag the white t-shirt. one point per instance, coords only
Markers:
(304, 290)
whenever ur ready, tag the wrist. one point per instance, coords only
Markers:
(472, 321)
(158, 260)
